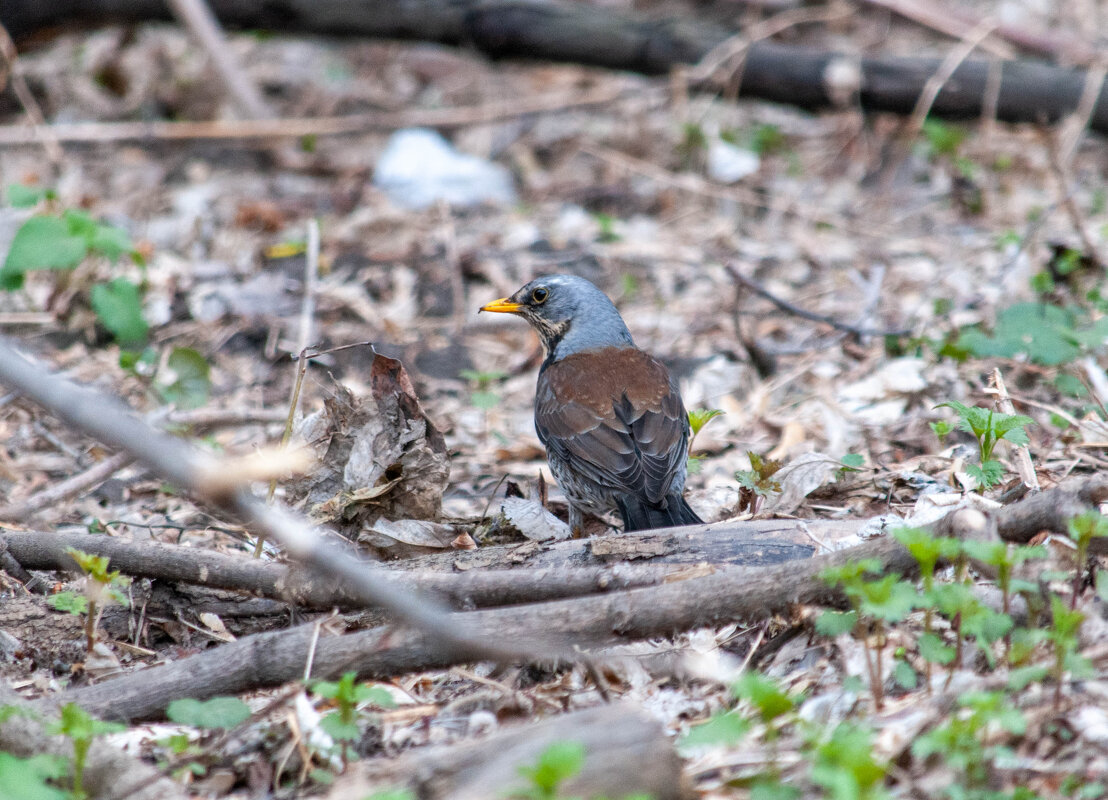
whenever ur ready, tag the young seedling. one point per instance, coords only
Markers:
(961, 739)
(481, 394)
(928, 550)
(989, 427)
(845, 765)
(970, 618)
(1083, 529)
(556, 765)
(698, 418)
(342, 724)
(101, 587)
(758, 482)
(1062, 634)
(81, 729)
(875, 603)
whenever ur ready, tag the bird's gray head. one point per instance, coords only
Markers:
(569, 313)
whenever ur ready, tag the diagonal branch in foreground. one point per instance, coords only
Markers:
(108, 420)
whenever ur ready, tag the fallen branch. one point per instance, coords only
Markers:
(596, 35)
(738, 594)
(113, 423)
(626, 753)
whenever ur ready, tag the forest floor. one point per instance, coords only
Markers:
(921, 261)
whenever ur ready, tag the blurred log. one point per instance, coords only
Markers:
(597, 36)
(626, 752)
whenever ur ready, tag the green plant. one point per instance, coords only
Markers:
(989, 427)
(29, 778)
(960, 740)
(185, 380)
(61, 241)
(698, 418)
(845, 765)
(1046, 334)
(757, 482)
(1065, 625)
(875, 603)
(347, 694)
(556, 764)
(606, 225)
(1083, 529)
(101, 587)
(392, 794)
(81, 729)
(481, 395)
(216, 712)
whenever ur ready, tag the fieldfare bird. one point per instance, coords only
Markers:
(610, 416)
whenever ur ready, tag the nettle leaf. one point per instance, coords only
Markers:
(723, 729)
(20, 196)
(764, 694)
(557, 764)
(987, 475)
(218, 712)
(699, 417)
(41, 243)
(932, 648)
(191, 383)
(836, 623)
(338, 729)
(110, 241)
(26, 778)
(1012, 427)
(118, 306)
(1045, 333)
(69, 602)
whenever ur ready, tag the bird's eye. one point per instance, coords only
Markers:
(539, 295)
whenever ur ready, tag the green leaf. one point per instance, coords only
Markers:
(118, 306)
(26, 778)
(699, 417)
(218, 712)
(1021, 677)
(41, 243)
(110, 241)
(557, 764)
(391, 794)
(191, 382)
(20, 196)
(338, 730)
(79, 725)
(931, 648)
(845, 765)
(905, 676)
(484, 399)
(764, 694)
(987, 475)
(853, 461)
(836, 623)
(721, 729)
(766, 788)
(69, 602)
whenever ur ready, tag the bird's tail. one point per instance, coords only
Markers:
(638, 515)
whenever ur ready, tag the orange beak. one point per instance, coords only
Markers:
(504, 306)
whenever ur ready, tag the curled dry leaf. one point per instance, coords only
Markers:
(799, 478)
(407, 536)
(533, 521)
(379, 456)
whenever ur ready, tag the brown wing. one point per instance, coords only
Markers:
(617, 418)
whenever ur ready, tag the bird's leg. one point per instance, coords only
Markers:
(576, 521)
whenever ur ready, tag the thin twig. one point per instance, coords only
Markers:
(797, 311)
(1024, 466)
(40, 133)
(949, 65)
(1072, 129)
(92, 132)
(113, 423)
(71, 487)
(1065, 196)
(202, 24)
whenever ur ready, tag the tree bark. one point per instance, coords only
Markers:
(595, 35)
(626, 752)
